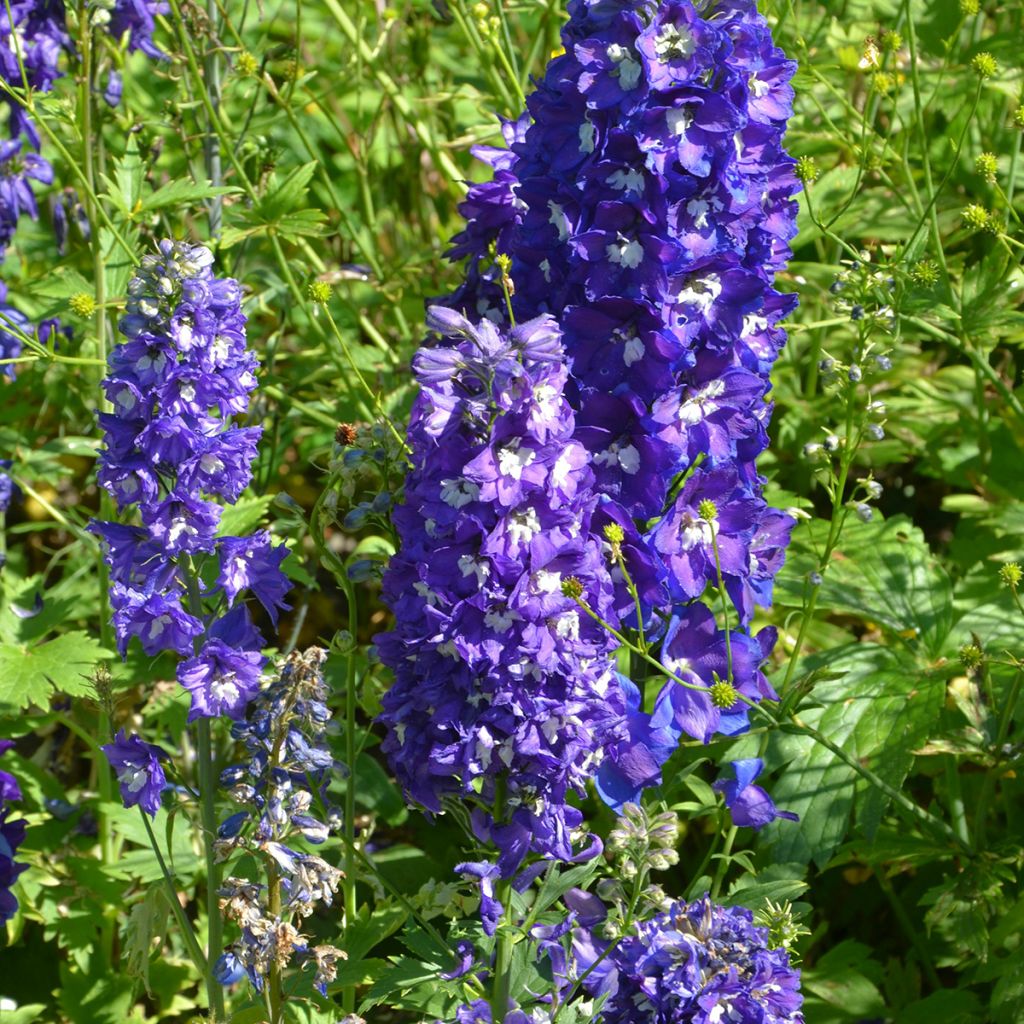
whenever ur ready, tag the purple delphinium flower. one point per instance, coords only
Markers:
(695, 650)
(172, 450)
(42, 36)
(748, 804)
(696, 963)
(647, 203)
(12, 834)
(140, 775)
(499, 675)
(137, 18)
(17, 169)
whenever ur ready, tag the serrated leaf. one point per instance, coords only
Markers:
(182, 192)
(372, 927)
(288, 192)
(147, 922)
(244, 516)
(878, 709)
(403, 974)
(884, 573)
(29, 673)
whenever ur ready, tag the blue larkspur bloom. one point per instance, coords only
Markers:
(501, 680)
(695, 963)
(174, 451)
(140, 775)
(646, 202)
(749, 804)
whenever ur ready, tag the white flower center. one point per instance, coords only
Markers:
(513, 460)
(557, 220)
(627, 69)
(696, 531)
(587, 133)
(625, 456)
(679, 120)
(545, 582)
(701, 404)
(629, 180)
(627, 252)
(672, 43)
(469, 566)
(523, 526)
(458, 493)
(132, 778)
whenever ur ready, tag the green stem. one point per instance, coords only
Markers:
(207, 782)
(211, 144)
(956, 800)
(184, 924)
(208, 807)
(500, 980)
(393, 91)
(724, 858)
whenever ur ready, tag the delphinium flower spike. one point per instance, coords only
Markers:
(278, 787)
(172, 449)
(694, 963)
(646, 202)
(505, 693)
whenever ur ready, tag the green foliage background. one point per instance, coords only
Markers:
(345, 129)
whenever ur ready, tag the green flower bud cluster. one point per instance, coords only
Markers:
(642, 843)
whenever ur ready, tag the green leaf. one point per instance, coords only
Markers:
(372, 927)
(1008, 995)
(878, 708)
(183, 192)
(66, 663)
(884, 573)
(244, 516)
(951, 1006)
(839, 979)
(753, 895)
(29, 1014)
(285, 195)
(403, 974)
(147, 921)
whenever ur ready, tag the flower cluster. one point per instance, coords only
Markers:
(172, 448)
(505, 693)
(11, 835)
(283, 735)
(696, 963)
(647, 203)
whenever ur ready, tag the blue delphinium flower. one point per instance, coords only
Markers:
(172, 448)
(12, 834)
(137, 18)
(41, 37)
(140, 775)
(505, 691)
(17, 169)
(749, 805)
(696, 963)
(288, 768)
(646, 202)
